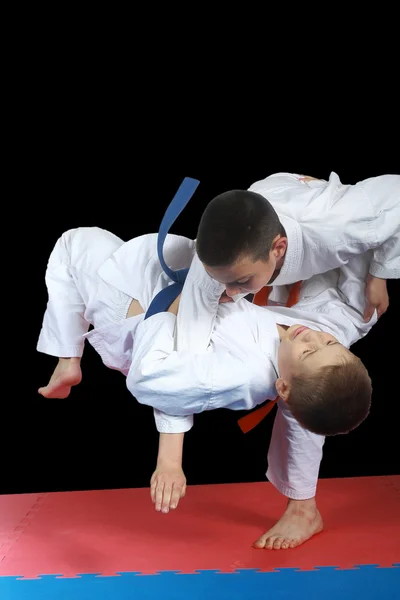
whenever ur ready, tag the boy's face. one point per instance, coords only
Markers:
(248, 276)
(245, 276)
(304, 351)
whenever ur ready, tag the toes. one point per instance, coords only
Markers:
(275, 542)
(260, 543)
(278, 543)
(287, 543)
(269, 543)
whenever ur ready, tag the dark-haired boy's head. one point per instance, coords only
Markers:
(240, 241)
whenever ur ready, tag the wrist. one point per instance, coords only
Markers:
(169, 462)
(371, 277)
(170, 449)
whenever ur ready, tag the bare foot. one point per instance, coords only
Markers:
(300, 521)
(66, 374)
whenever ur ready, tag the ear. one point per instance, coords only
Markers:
(283, 389)
(279, 247)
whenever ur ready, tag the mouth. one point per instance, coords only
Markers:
(298, 331)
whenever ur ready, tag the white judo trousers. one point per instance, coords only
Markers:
(78, 298)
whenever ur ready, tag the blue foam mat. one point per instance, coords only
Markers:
(367, 582)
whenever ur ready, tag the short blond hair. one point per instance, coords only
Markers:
(335, 400)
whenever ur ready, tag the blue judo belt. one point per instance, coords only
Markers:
(163, 300)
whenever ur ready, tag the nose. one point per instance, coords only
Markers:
(232, 291)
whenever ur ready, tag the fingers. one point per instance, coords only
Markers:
(368, 312)
(175, 496)
(153, 487)
(370, 308)
(164, 498)
(376, 297)
(157, 491)
(382, 308)
(166, 495)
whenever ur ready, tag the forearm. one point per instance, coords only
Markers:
(170, 449)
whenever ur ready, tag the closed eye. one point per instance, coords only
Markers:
(311, 350)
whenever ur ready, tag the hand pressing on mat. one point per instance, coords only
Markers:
(168, 482)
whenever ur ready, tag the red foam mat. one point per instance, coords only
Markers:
(213, 528)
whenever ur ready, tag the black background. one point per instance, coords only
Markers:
(98, 147)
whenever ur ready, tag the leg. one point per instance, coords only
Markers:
(63, 321)
(72, 284)
(293, 464)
